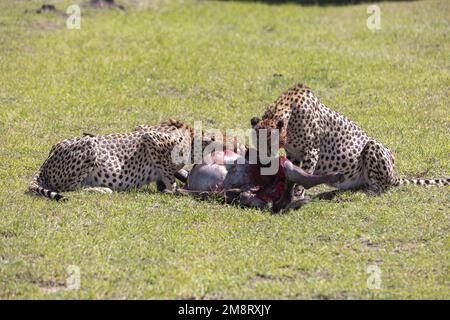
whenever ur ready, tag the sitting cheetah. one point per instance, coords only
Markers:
(325, 141)
(115, 162)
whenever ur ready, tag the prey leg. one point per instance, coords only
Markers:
(288, 200)
(301, 177)
(182, 175)
(249, 199)
(297, 203)
(195, 193)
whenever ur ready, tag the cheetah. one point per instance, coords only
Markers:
(116, 162)
(324, 141)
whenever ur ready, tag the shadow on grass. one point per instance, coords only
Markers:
(317, 2)
(338, 195)
(328, 195)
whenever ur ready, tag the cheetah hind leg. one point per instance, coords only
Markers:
(62, 155)
(379, 169)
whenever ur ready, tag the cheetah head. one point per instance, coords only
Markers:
(273, 129)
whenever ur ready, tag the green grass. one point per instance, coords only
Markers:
(214, 61)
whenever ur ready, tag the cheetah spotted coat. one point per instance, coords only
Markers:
(114, 162)
(324, 141)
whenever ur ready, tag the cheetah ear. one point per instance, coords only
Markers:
(255, 121)
(280, 124)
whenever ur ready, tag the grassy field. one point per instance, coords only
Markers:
(215, 61)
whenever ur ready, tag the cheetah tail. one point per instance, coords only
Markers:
(35, 188)
(440, 182)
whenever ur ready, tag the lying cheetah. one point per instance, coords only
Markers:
(115, 162)
(325, 141)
